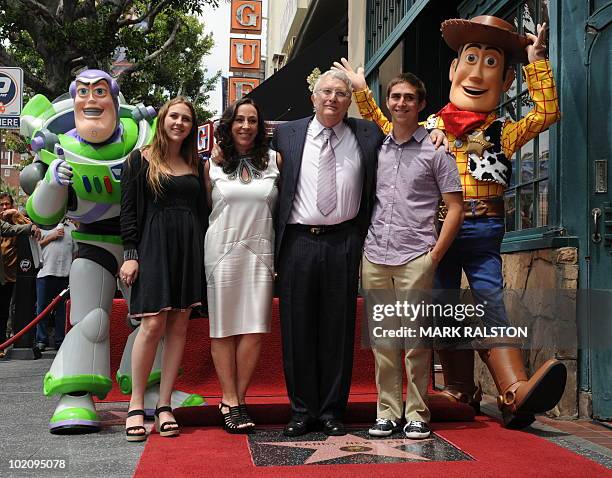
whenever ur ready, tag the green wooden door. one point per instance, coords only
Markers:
(599, 60)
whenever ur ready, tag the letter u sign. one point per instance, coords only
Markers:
(245, 54)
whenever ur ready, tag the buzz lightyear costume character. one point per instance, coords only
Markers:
(482, 144)
(81, 141)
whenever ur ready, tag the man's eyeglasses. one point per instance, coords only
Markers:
(327, 92)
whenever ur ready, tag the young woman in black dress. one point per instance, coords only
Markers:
(162, 217)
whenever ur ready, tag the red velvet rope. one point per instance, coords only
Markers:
(37, 319)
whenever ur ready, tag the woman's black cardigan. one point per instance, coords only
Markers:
(134, 204)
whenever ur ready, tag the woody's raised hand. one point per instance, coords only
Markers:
(537, 49)
(357, 77)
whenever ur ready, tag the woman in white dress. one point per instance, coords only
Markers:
(239, 253)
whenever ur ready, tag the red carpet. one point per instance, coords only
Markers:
(198, 370)
(497, 452)
(268, 385)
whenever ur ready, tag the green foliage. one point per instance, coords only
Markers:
(162, 41)
(22, 49)
(14, 142)
(178, 72)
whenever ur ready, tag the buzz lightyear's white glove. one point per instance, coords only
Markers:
(60, 171)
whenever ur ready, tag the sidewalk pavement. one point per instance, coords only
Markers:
(24, 433)
(25, 413)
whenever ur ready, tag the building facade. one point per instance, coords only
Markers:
(287, 18)
(9, 160)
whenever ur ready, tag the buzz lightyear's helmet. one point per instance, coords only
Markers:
(93, 76)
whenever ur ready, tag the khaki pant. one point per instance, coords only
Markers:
(416, 275)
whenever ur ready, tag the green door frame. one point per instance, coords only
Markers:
(598, 320)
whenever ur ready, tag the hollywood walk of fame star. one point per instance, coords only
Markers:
(341, 446)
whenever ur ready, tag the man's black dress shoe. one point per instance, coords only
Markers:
(295, 428)
(333, 427)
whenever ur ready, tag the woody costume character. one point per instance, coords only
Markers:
(482, 144)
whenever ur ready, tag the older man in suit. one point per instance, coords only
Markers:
(326, 196)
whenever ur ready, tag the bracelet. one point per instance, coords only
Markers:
(130, 255)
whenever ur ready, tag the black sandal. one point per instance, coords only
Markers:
(139, 436)
(166, 429)
(245, 417)
(232, 420)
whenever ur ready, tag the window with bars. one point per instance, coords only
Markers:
(526, 199)
(382, 18)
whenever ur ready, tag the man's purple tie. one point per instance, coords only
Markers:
(326, 177)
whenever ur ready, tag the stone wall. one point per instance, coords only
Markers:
(541, 289)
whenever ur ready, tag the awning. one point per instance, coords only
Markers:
(285, 95)
(321, 17)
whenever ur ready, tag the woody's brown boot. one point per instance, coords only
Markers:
(458, 371)
(520, 396)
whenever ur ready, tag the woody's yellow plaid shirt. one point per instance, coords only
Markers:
(542, 90)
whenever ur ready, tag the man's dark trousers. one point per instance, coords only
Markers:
(318, 276)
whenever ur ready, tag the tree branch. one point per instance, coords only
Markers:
(120, 7)
(37, 7)
(150, 13)
(168, 43)
(29, 78)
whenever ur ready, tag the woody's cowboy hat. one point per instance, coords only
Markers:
(488, 30)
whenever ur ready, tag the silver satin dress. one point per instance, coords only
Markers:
(239, 249)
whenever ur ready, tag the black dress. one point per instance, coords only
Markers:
(170, 247)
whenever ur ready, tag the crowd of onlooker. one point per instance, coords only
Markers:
(56, 251)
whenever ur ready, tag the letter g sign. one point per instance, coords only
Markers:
(248, 20)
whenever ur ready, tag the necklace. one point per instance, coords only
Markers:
(245, 171)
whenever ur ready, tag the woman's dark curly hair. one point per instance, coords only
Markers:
(223, 134)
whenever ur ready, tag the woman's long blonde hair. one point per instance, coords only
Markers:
(158, 149)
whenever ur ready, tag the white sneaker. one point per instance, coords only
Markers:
(382, 428)
(416, 430)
